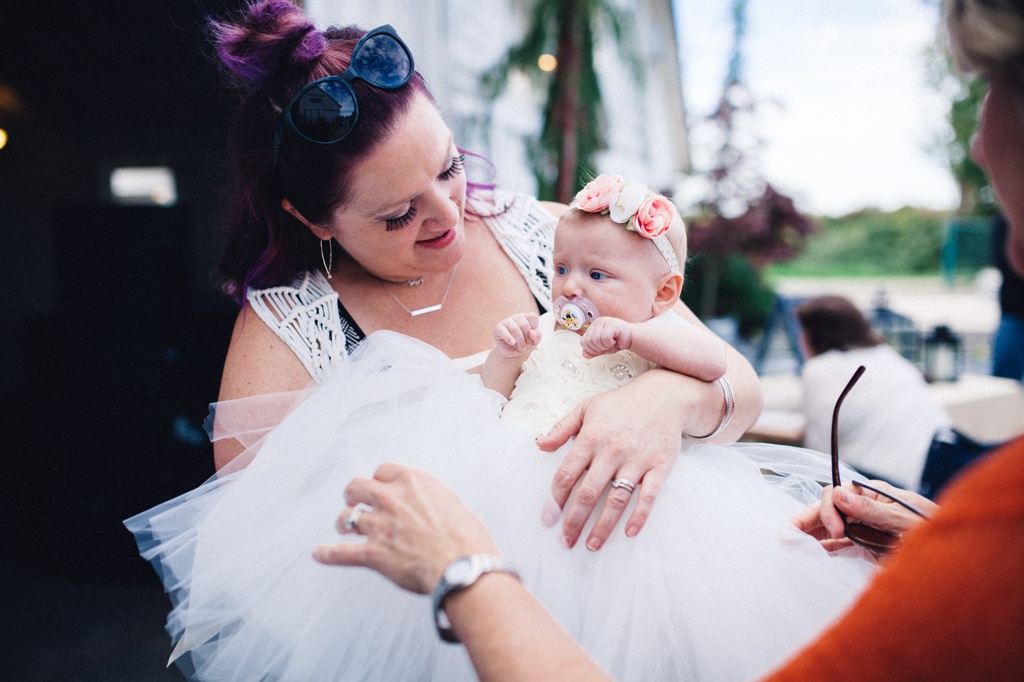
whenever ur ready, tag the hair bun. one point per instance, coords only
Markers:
(267, 35)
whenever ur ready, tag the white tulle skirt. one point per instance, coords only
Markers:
(718, 586)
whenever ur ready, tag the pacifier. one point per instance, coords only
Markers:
(575, 313)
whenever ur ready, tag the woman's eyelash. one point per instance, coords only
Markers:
(458, 163)
(391, 224)
(401, 221)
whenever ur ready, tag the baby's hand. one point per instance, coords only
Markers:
(517, 336)
(606, 335)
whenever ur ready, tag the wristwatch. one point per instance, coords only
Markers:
(460, 574)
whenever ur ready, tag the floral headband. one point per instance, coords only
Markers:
(633, 204)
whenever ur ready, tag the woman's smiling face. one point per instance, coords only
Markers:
(404, 215)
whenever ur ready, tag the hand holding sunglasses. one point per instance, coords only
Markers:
(874, 538)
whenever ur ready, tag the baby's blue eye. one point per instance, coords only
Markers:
(598, 275)
(562, 270)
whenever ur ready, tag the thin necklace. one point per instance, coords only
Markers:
(429, 308)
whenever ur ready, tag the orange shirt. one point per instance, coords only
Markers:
(949, 605)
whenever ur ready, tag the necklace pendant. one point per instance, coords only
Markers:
(414, 282)
(424, 311)
(429, 308)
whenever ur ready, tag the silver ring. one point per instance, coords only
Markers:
(352, 522)
(626, 485)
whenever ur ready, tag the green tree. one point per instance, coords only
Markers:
(744, 221)
(872, 242)
(574, 127)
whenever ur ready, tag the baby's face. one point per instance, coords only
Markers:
(600, 260)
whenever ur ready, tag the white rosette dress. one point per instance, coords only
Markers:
(718, 586)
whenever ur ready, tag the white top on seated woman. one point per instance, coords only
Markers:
(889, 422)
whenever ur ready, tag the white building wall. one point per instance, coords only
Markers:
(646, 123)
(455, 41)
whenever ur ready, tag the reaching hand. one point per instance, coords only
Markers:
(613, 443)
(606, 335)
(516, 336)
(416, 526)
(822, 519)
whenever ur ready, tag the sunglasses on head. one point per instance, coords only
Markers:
(875, 539)
(326, 110)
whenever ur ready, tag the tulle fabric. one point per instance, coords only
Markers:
(718, 586)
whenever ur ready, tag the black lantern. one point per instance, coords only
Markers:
(942, 355)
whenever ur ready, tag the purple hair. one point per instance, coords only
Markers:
(273, 50)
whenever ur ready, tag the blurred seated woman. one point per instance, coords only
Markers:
(891, 427)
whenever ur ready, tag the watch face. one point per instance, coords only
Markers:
(459, 571)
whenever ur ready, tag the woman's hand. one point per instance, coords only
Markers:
(822, 519)
(633, 432)
(416, 527)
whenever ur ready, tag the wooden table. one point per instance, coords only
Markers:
(988, 409)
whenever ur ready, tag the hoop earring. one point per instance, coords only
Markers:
(324, 259)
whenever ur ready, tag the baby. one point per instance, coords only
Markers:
(618, 254)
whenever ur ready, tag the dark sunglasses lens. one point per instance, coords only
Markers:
(325, 112)
(872, 538)
(383, 61)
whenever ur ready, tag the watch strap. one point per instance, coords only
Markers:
(479, 564)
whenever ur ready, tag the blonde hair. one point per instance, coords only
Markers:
(986, 36)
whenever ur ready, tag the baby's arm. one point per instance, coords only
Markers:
(514, 339)
(686, 349)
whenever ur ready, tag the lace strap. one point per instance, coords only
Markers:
(526, 232)
(305, 316)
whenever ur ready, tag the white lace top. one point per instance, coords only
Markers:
(306, 315)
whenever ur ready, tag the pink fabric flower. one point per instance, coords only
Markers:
(598, 194)
(653, 217)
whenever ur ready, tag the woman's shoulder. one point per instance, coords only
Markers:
(506, 211)
(525, 230)
(880, 354)
(304, 314)
(887, 360)
(259, 360)
(670, 318)
(554, 208)
(309, 294)
(303, 289)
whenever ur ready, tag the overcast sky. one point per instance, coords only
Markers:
(846, 114)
